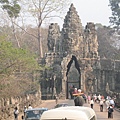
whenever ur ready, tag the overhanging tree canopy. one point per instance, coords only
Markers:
(115, 18)
(12, 7)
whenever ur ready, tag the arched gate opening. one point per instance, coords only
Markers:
(73, 75)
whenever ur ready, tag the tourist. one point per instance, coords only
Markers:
(91, 103)
(79, 101)
(30, 107)
(71, 92)
(16, 112)
(25, 108)
(99, 97)
(84, 97)
(89, 98)
(110, 111)
(107, 104)
(75, 91)
(56, 99)
(101, 105)
(95, 97)
(112, 102)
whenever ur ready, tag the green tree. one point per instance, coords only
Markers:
(115, 18)
(16, 68)
(39, 11)
(13, 9)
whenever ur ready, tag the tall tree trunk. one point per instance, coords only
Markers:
(40, 53)
(41, 49)
(13, 29)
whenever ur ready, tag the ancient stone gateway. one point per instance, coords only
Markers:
(74, 60)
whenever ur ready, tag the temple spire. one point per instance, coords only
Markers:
(72, 30)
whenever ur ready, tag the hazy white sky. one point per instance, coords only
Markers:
(96, 11)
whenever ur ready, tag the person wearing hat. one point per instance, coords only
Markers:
(79, 101)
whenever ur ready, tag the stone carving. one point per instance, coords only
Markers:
(90, 28)
(91, 42)
(53, 36)
(72, 31)
(73, 40)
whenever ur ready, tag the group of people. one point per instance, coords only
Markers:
(74, 91)
(16, 111)
(108, 102)
(96, 99)
(79, 100)
(78, 95)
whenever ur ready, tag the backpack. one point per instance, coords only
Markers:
(110, 110)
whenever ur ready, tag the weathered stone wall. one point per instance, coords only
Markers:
(7, 105)
(95, 72)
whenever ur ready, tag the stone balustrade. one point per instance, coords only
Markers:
(7, 105)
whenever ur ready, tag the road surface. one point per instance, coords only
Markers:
(100, 115)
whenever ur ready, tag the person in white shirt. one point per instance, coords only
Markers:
(101, 105)
(29, 107)
(16, 112)
(107, 102)
(112, 102)
(25, 108)
(99, 97)
(91, 103)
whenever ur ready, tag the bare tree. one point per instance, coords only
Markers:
(40, 11)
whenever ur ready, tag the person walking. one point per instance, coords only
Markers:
(107, 104)
(89, 98)
(92, 103)
(25, 108)
(16, 112)
(71, 92)
(56, 99)
(112, 102)
(110, 111)
(101, 105)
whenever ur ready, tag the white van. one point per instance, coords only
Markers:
(69, 113)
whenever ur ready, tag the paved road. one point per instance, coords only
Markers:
(100, 115)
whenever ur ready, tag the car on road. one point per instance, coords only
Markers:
(61, 105)
(34, 113)
(70, 113)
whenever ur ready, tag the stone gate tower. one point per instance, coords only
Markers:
(73, 56)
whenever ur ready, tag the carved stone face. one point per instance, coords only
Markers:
(72, 42)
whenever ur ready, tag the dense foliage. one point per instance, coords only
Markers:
(16, 68)
(12, 7)
(107, 47)
(115, 18)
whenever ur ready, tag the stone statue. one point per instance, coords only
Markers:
(90, 85)
(53, 36)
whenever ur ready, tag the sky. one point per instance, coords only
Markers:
(96, 11)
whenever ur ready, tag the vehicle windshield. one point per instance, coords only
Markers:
(61, 105)
(34, 113)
